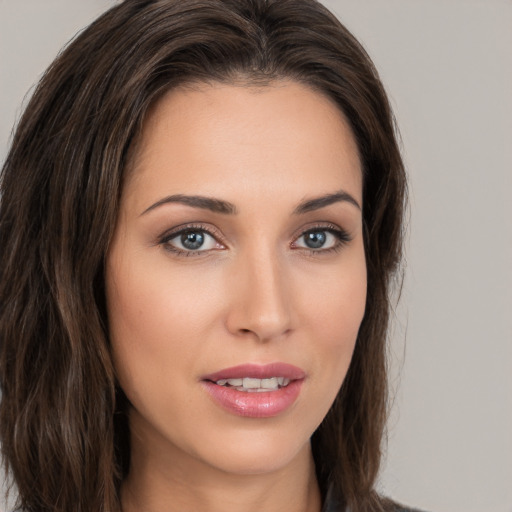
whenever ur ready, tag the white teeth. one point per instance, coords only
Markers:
(255, 385)
(235, 382)
(251, 383)
(269, 383)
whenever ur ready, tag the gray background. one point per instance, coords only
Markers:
(447, 65)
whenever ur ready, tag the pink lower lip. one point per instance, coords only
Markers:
(264, 404)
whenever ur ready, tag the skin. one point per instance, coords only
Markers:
(255, 293)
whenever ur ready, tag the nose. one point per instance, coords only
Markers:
(260, 304)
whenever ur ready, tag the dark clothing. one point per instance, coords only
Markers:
(332, 504)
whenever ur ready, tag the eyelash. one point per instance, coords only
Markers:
(189, 228)
(342, 238)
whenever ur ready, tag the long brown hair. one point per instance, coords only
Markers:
(64, 436)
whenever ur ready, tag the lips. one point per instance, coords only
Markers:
(256, 371)
(257, 391)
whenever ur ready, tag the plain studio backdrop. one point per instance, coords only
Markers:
(447, 66)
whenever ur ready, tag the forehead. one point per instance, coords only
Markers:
(221, 139)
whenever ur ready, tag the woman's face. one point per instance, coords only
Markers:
(236, 280)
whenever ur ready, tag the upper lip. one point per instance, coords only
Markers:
(258, 371)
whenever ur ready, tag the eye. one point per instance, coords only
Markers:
(317, 240)
(189, 241)
(322, 239)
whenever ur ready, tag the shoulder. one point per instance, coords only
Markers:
(390, 505)
(333, 506)
(401, 508)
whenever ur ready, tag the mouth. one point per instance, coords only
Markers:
(257, 391)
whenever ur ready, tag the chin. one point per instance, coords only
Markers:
(258, 458)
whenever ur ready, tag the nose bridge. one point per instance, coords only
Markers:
(260, 302)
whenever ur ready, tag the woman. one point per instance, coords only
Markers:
(201, 219)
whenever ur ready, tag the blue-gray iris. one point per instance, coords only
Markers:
(192, 240)
(315, 239)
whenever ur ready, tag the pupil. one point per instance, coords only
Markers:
(316, 239)
(193, 240)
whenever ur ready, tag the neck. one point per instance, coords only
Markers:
(153, 486)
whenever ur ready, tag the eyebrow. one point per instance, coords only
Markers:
(326, 200)
(205, 203)
(227, 208)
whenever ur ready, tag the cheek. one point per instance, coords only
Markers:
(338, 303)
(335, 315)
(149, 300)
(160, 320)
(147, 318)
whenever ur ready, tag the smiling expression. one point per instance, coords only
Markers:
(236, 278)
